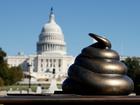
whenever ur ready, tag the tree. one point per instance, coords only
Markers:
(4, 74)
(3, 67)
(2, 55)
(15, 74)
(8, 76)
(1, 82)
(133, 65)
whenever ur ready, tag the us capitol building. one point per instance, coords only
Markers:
(51, 57)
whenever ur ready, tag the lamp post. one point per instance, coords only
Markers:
(29, 76)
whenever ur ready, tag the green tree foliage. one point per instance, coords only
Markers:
(1, 82)
(8, 76)
(15, 74)
(3, 67)
(133, 65)
(2, 55)
(4, 74)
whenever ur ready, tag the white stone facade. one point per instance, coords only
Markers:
(51, 57)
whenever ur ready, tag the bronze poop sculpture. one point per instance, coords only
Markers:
(98, 71)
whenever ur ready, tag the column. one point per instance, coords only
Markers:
(53, 47)
(42, 47)
(46, 47)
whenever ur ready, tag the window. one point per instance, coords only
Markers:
(59, 63)
(53, 71)
(50, 64)
(53, 65)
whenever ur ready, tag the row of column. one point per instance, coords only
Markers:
(51, 47)
(46, 38)
(49, 65)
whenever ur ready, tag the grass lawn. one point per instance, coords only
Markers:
(26, 86)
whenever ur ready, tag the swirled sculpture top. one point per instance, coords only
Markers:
(105, 43)
(98, 71)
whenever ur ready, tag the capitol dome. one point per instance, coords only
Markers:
(51, 38)
(51, 27)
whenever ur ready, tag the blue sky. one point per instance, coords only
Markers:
(21, 22)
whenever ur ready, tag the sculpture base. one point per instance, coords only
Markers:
(63, 99)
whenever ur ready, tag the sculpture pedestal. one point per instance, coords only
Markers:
(64, 99)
